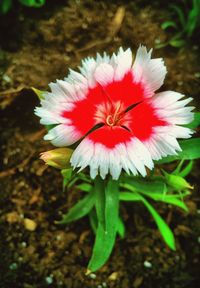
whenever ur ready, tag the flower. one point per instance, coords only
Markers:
(111, 108)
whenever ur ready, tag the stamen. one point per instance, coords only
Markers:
(109, 120)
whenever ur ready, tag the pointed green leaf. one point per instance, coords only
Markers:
(39, 93)
(168, 24)
(186, 170)
(164, 229)
(141, 184)
(80, 209)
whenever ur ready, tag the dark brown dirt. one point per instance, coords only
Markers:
(37, 47)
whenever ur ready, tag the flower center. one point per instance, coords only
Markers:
(111, 114)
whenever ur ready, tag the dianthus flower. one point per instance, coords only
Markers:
(112, 111)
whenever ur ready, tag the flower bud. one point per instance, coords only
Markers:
(58, 158)
(177, 182)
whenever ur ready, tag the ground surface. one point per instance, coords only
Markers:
(37, 47)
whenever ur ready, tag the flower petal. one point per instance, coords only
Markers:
(150, 72)
(109, 150)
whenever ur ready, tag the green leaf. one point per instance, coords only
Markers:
(172, 199)
(168, 24)
(164, 229)
(186, 170)
(176, 202)
(121, 228)
(40, 94)
(86, 187)
(128, 196)
(138, 184)
(67, 174)
(5, 6)
(105, 238)
(99, 188)
(80, 209)
(195, 123)
(190, 151)
(180, 14)
(177, 43)
(93, 220)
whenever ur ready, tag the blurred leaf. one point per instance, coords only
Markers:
(190, 151)
(168, 24)
(5, 6)
(32, 3)
(80, 209)
(164, 229)
(177, 42)
(180, 14)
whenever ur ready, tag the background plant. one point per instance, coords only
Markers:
(6, 5)
(184, 22)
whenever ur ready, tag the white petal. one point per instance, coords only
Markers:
(104, 74)
(88, 67)
(166, 98)
(63, 135)
(49, 117)
(149, 71)
(123, 62)
(169, 108)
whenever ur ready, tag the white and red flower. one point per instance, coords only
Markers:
(136, 125)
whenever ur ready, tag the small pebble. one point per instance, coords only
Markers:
(49, 280)
(113, 276)
(198, 239)
(157, 41)
(23, 244)
(147, 264)
(13, 266)
(197, 74)
(29, 224)
(92, 276)
(6, 78)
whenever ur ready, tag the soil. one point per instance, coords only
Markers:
(37, 47)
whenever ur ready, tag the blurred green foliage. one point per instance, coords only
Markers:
(186, 20)
(6, 5)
